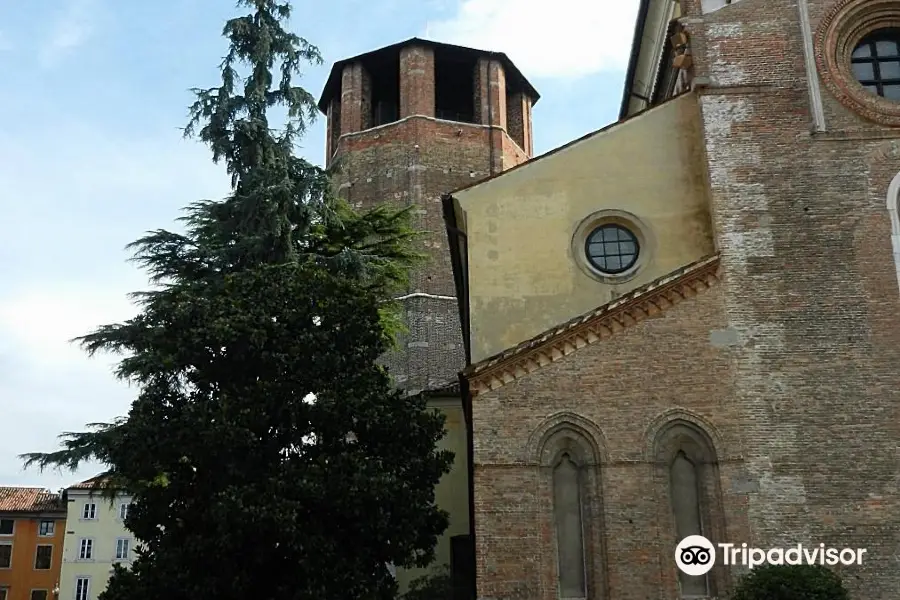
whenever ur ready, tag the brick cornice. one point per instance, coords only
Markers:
(599, 324)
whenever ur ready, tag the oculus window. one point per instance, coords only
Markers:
(876, 63)
(612, 249)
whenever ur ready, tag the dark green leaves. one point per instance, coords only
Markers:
(267, 452)
(790, 582)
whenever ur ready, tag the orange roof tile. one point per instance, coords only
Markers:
(29, 499)
(95, 482)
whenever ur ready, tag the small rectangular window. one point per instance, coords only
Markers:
(123, 546)
(90, 511)
(86, 549)
(43, 557)
(82, 588)
(38, 594)
(123, 510)
(7, 526)
(3, 592)
(5, 555)
(47, 528)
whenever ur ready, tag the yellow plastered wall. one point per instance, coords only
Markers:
(452, 493)
(523, 274)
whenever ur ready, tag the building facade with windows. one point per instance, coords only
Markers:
(682, 324)
(699, 334)
(95, 539)
(32, 527)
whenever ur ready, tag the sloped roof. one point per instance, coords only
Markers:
(95, 482)
(598, 324)
(29, 499)
(513, 75)
(575, 142)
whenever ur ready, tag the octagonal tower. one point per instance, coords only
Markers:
(407, 124)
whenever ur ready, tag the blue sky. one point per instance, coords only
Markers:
(91, 156)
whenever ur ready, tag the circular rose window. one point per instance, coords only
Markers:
(858, 57)
(876, 63)
(612, 249)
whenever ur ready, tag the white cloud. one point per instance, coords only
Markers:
(38, 323)
(73, 195)
(72, 28)
(559, 39)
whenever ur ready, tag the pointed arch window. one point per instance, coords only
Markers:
(684, 483)
(568, 513)
(893, 204)
(569, 457)
(688, 479)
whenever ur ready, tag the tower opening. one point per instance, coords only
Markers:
(454, 85)
(384, 71)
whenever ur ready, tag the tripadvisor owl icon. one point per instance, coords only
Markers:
(695, 555)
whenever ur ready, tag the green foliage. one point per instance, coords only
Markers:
(436, 585)
(267, 452)
(790, 582)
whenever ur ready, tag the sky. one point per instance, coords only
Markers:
(92, 156)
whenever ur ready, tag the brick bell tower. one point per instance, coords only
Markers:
(407, 124)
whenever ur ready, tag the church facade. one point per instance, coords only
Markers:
(682, 324)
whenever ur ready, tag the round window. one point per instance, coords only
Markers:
(876, 63)
(612, 249)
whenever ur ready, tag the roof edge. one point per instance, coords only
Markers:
(575, 142)
(457, 246)
(333, 76)
(641, 20)
(596, 325)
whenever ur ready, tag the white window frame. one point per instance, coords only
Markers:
(126, 544)
(10, 544)
(86, 590)
(86, 546)
(124, 507)
(52, 527)
(11, 533)
(4, 592)
(89, 511)
(38, 547)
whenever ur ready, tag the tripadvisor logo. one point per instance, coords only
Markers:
(695, 555)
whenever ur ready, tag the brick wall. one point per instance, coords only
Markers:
(811, 290)
(356, 99)
(413, 162)
(490, 93)
(518, 119)
(617, 393)
(416, 81)
(791, 361)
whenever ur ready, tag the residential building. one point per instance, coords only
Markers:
(32, 529)
(96, 538)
